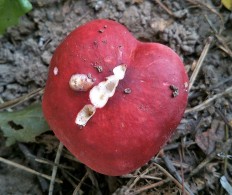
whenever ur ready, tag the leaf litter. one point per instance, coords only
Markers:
(199, 152)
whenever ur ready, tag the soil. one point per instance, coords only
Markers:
(25, 54)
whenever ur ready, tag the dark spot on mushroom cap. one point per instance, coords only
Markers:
(175, 90)
(99, 68)
(127, 91)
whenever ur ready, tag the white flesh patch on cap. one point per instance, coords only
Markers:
(80, 82)
(55, 71)
(100, 94)
(85, 114)
(119, 71)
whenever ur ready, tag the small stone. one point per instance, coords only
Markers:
(46, 57)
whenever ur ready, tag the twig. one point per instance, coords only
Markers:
(68, 178)
(223, 46)
(147, 187)
(208, 159)
(225, 160)
(207, 102)
(3, 160)
(71, 179)
(210, 24)
(31, 158)
(200, 4)
(170, 176)
(200, 62)
(165, 8)
(221, 82)
(202, 164)
(171, 168)
(70, 156)
(8, 109)
(78, 187)
(174, 172)
(47, 162)
(93, 179)
(142, 177)
(181, 154)
(19, 100)
(178, 14)
(224, 118)
(55, 167)
(176, 145)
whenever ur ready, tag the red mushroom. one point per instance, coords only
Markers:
(112, 100)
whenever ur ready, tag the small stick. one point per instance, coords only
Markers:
(170, 12)
(224, 118)
(176, 145)
(47, 162)
(208, 159)
(181, 154)
(200, 62)
(8, 162)
(78, 187)
(142, 177)
(68, 178)
(20, 100)
(224, 46)
(207, 102)
(139, 177)
(202, 164)
(174, 172)
(147, 187)
(31, 157)
(2, 102)
(221, 83)
(200, 4)
(165, 8)
(171, 177)
(55, 167)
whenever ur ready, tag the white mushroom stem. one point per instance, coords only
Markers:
(100, 94)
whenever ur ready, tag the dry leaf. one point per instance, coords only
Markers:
(227, 4)
(207, 140)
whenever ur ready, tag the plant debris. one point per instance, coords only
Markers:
(199, 151)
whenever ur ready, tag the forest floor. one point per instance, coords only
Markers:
(198, 157)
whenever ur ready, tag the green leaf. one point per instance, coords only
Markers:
(23, 125)
(11, 10)
(227, 4)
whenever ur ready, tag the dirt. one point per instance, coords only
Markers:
(26, 51)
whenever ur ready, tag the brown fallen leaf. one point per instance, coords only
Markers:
(207, 140)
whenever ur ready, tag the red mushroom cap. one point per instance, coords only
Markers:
(138, 119)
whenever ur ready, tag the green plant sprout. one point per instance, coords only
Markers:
(10, 11)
